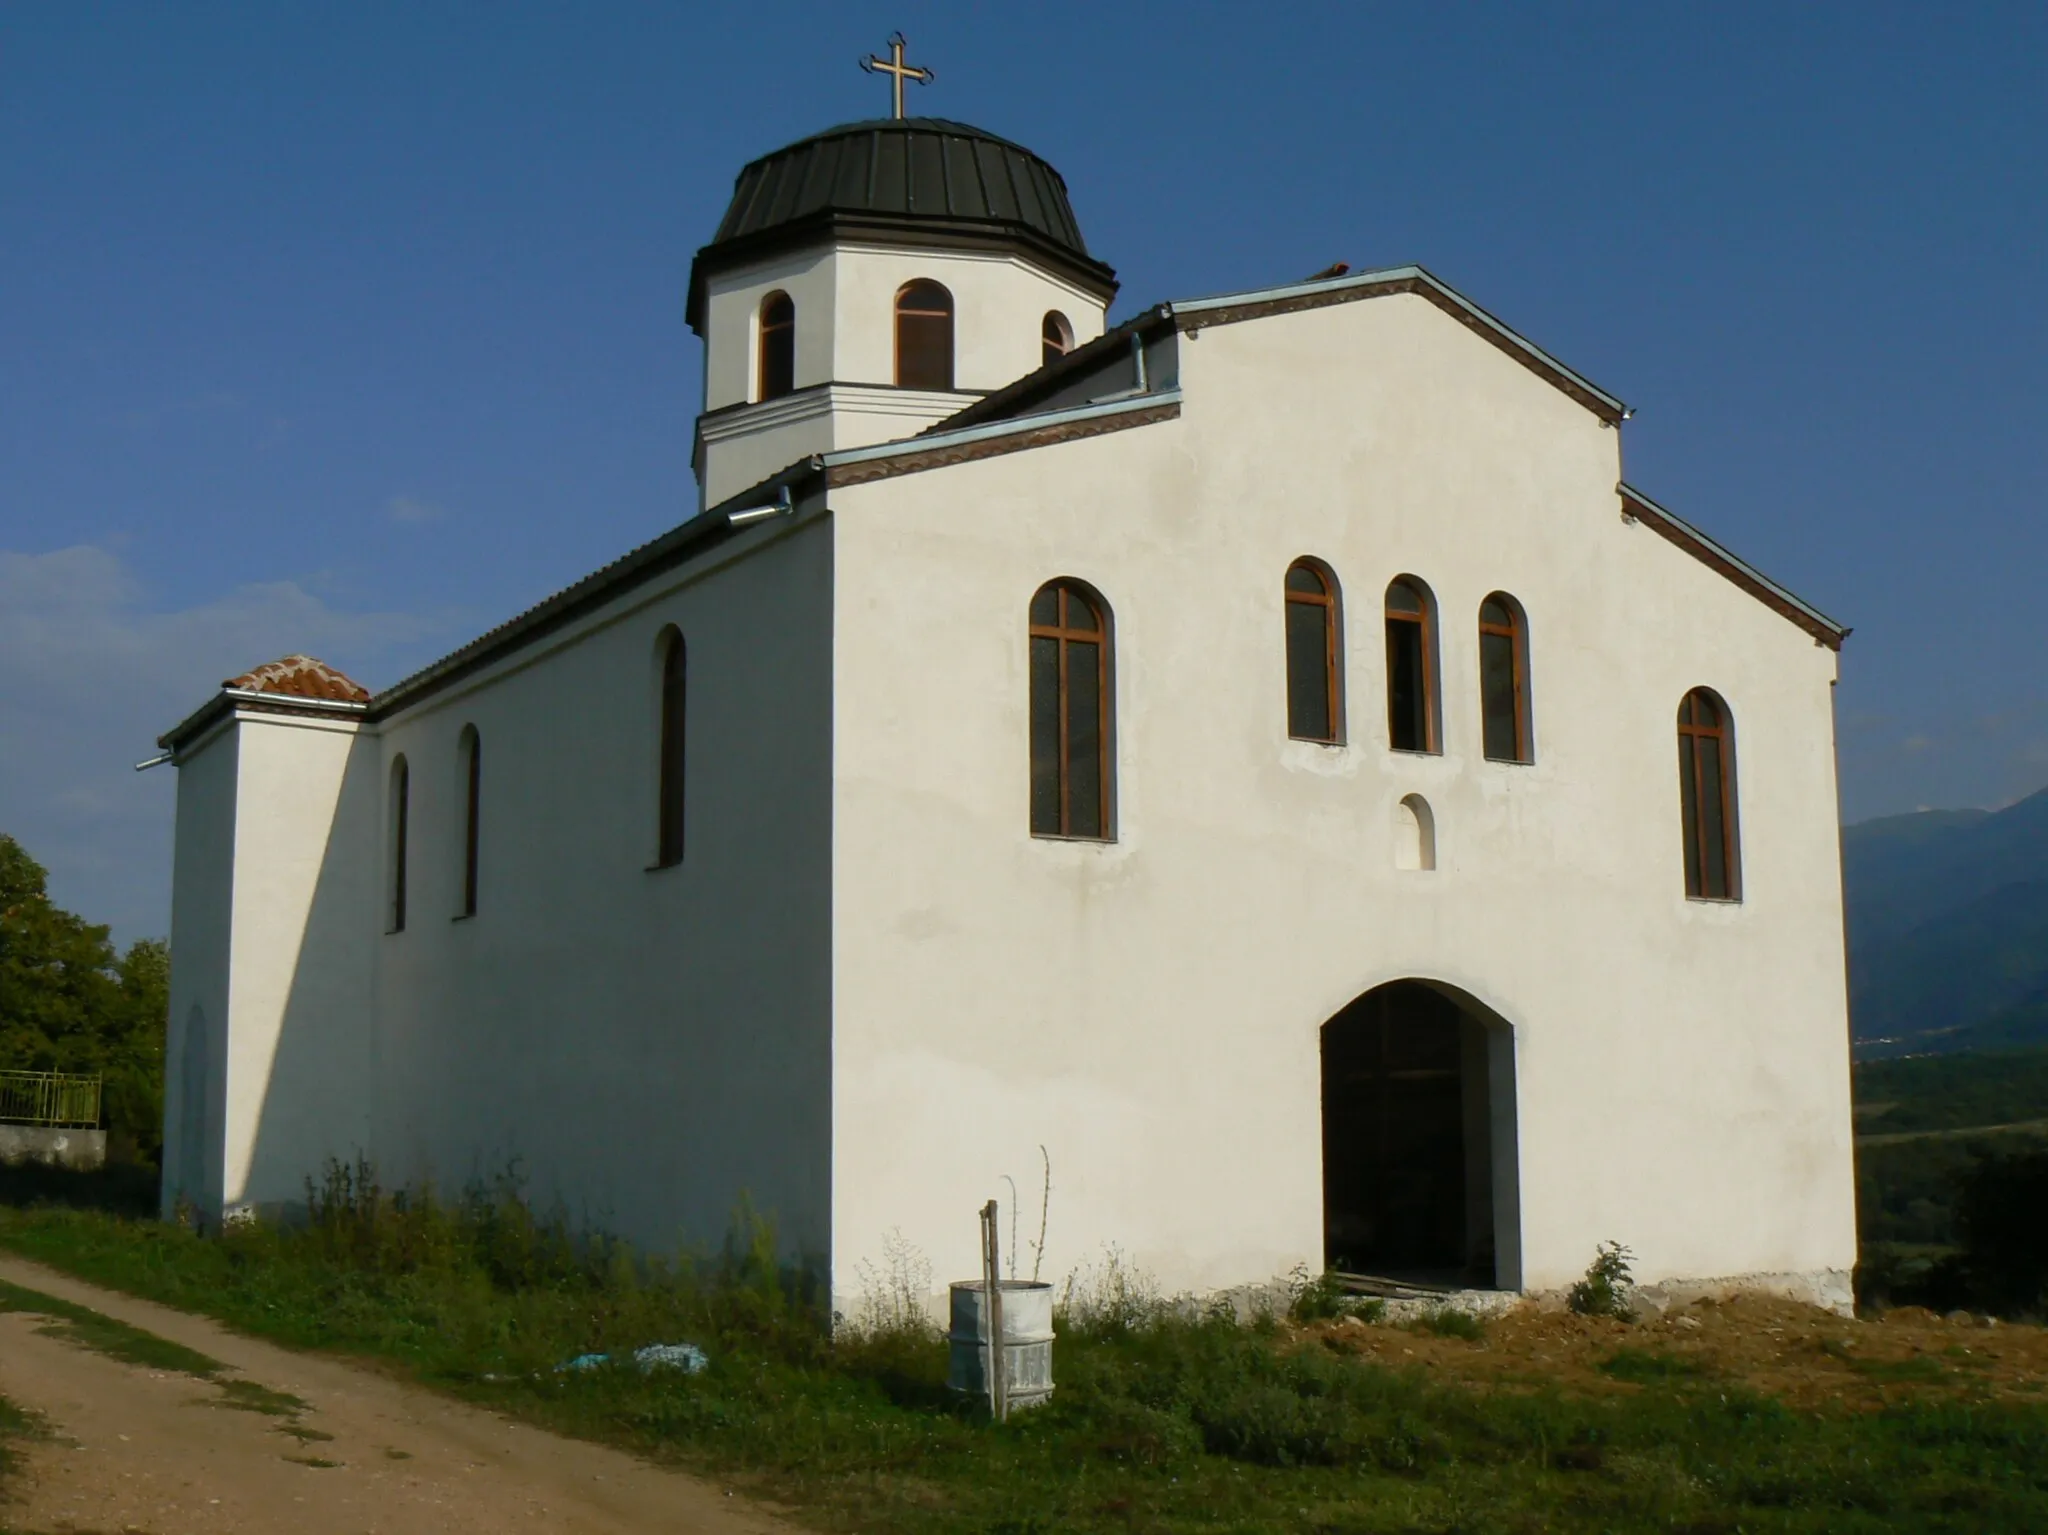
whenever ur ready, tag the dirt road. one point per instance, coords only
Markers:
(167, 1453)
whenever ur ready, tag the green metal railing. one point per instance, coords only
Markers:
(49, 1098)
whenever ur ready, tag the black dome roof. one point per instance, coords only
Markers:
(917, 180)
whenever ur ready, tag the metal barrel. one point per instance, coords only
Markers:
(1027, 1340)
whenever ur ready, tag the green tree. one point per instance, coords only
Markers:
(134, 1058)
(68, 1003)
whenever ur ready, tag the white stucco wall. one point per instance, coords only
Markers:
(299, 1060)
(268, 960)
(999, 307)
(646, 1047)
(202, 929)
(732, 316)
(745, 447)
(1149, 1009)
(845, 299)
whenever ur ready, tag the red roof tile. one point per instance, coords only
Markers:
(301, 677)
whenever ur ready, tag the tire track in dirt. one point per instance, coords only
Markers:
(169, 1453)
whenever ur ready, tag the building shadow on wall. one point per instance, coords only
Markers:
(314, 1104)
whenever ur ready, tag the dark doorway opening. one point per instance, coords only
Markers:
(1410, 1126)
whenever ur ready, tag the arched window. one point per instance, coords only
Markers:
(1504, 680)
(399, 813)
(1070, 726)
(778, 345)
(1706, 797)
(1411, 667)
(1057, 336)
(924, 336)
(469, 747)
(1314, 697)
(675, 668)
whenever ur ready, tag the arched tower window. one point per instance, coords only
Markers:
(672, 768)
(924, 336)
(1411, 667)
(470, 750)
(1706, 797)
(1056, 335)
(1070, 723)
(1504, 680)
(400, 814)
(1314, 696)
(778, 345)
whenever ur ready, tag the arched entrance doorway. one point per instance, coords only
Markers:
(1419, 1139)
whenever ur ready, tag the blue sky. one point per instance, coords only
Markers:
(356, 329)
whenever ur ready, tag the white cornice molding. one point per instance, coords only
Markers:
(832, 399)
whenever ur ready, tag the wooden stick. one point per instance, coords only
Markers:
(999, 1385)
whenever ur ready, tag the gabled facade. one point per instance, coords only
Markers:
(1263, 756)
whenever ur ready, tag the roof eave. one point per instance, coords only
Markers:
(1825, 630)
(1047, 378)
(832, 225)
(1229, 308)
(679, 545)
(229, 699)
(938, 441)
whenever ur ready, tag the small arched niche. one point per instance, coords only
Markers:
(1414, 834)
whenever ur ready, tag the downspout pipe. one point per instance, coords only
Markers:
(1141, 382)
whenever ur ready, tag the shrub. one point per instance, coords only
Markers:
(2004, 1230)
(1605, 1289)
(1323, 1298)
(1449, 1322)
(893, 1297)
(1110, 1298)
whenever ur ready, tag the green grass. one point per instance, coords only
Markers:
(117, 1340)
(1446, 1322)
(1916, 1369)
(1161, 1421)
(1651, 1366)
(15, 1426)
(248, 1396)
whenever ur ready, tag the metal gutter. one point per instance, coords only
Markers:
(1047, 379)
(933, 442)
(1184, 308)
(254, 695)
(1738, 565)
(228, 698)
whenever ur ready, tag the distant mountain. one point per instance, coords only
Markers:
(1948, 929)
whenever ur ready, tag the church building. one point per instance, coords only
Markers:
(1262, 753)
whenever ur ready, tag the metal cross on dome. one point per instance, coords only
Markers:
(874, 64)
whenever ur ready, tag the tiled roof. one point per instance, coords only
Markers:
(301, 677)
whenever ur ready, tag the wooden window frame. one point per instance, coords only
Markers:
(472, 821)
(1330, 600)
(952, 348)
(401, 836)
(765, 330)
(1055, 337)
(672, 738)
(1690, 735)
(1432, 728)
(1516, 632)
(1066, 637)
